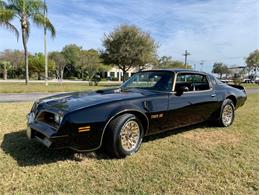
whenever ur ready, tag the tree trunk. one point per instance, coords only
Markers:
(57, 74)
(81, 74)
(5, 71)
(61, 74)
(24, 36)
(124, 75)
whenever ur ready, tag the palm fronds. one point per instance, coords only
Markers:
(41, 20)
(6, 15)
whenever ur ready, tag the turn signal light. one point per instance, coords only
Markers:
(84, 129)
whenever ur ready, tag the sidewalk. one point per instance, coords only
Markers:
(55, 81)
(23, 97)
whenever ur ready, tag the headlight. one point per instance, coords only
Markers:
(58, 118)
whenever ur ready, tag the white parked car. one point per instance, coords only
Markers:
(247, 81)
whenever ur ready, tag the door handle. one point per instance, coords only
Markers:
(213, 95)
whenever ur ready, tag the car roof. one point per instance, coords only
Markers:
(177, 70)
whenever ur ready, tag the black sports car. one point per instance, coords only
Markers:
(117, 119)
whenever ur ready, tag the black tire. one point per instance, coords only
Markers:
(112, 140)
(227, 105)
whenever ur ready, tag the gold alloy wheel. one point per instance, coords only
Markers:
(227, 115)
(130, 135)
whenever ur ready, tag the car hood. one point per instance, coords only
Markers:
(78, 100)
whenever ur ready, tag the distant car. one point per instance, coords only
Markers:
(247, 81)
(225, 80)
(257, 80)
(149, 102)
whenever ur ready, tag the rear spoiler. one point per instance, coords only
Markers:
(238, 87)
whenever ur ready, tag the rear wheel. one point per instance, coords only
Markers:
(227, 113)
(124, 136)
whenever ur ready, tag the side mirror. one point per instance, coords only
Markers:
(181, 90)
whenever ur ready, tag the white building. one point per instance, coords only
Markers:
(117, 74)
(235, 71)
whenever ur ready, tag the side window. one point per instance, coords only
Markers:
(201, 83)
(213, 81)
(192, 82)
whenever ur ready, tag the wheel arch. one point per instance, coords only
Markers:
(233, 99)
(140, 115)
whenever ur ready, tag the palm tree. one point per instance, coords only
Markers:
(5, 17)
(26, 11)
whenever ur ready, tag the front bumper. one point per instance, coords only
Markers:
(68, 137)
(46, 135)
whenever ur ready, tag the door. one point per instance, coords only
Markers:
(195, 105)
(157, 106)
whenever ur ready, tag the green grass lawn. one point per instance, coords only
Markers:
(250, 85)
(52, 87)
(197, 160)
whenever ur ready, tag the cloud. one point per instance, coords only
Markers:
(220, 31)
(211, 30)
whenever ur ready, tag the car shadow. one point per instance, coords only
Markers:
(31, 153)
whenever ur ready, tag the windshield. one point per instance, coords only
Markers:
(153, 80)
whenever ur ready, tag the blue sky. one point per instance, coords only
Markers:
(211, 30)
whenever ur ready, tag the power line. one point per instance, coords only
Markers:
(222, 59)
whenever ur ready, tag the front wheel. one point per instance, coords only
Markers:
(124, 136)
(227, 113)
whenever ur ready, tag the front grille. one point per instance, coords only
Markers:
(48, 118)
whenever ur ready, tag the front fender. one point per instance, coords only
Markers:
(97, 117)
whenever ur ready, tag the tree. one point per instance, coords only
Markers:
(128, 47)
(60, 63)
(14, 58)
(91, 63)
(71, 54)
(4, 66)
(168, 62)
(37, 64)
(252, 61)
(220, 69)
(6, 16)
(26, 11)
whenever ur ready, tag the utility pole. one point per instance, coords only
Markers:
(201, 64)
(45, 46)
(186, 54)
(194, 66)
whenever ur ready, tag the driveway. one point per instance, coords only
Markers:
(29, 97)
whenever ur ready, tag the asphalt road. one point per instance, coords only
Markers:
(29, 97)
(250, 91)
